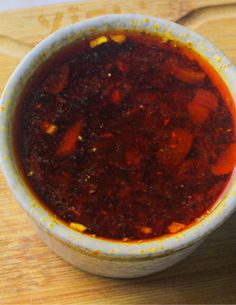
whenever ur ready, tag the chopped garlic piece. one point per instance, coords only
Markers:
(175, 227)
(30, 173)
(78, 226)
(118, 38)
(125, 239)
(146, 230)
(51, 129)
(96, 42)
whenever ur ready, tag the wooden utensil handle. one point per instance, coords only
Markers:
(199, 16)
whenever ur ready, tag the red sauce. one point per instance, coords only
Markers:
(129, 138)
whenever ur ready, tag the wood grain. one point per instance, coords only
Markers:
(30, 273)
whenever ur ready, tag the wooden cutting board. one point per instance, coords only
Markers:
(30, 273)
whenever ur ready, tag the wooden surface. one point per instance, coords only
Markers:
(29, 272)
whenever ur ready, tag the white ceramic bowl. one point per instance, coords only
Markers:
(109, 258)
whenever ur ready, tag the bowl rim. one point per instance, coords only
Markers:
(154, 247)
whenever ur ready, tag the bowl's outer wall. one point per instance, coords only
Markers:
(116, 268)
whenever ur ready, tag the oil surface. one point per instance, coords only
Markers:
(125, 137)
